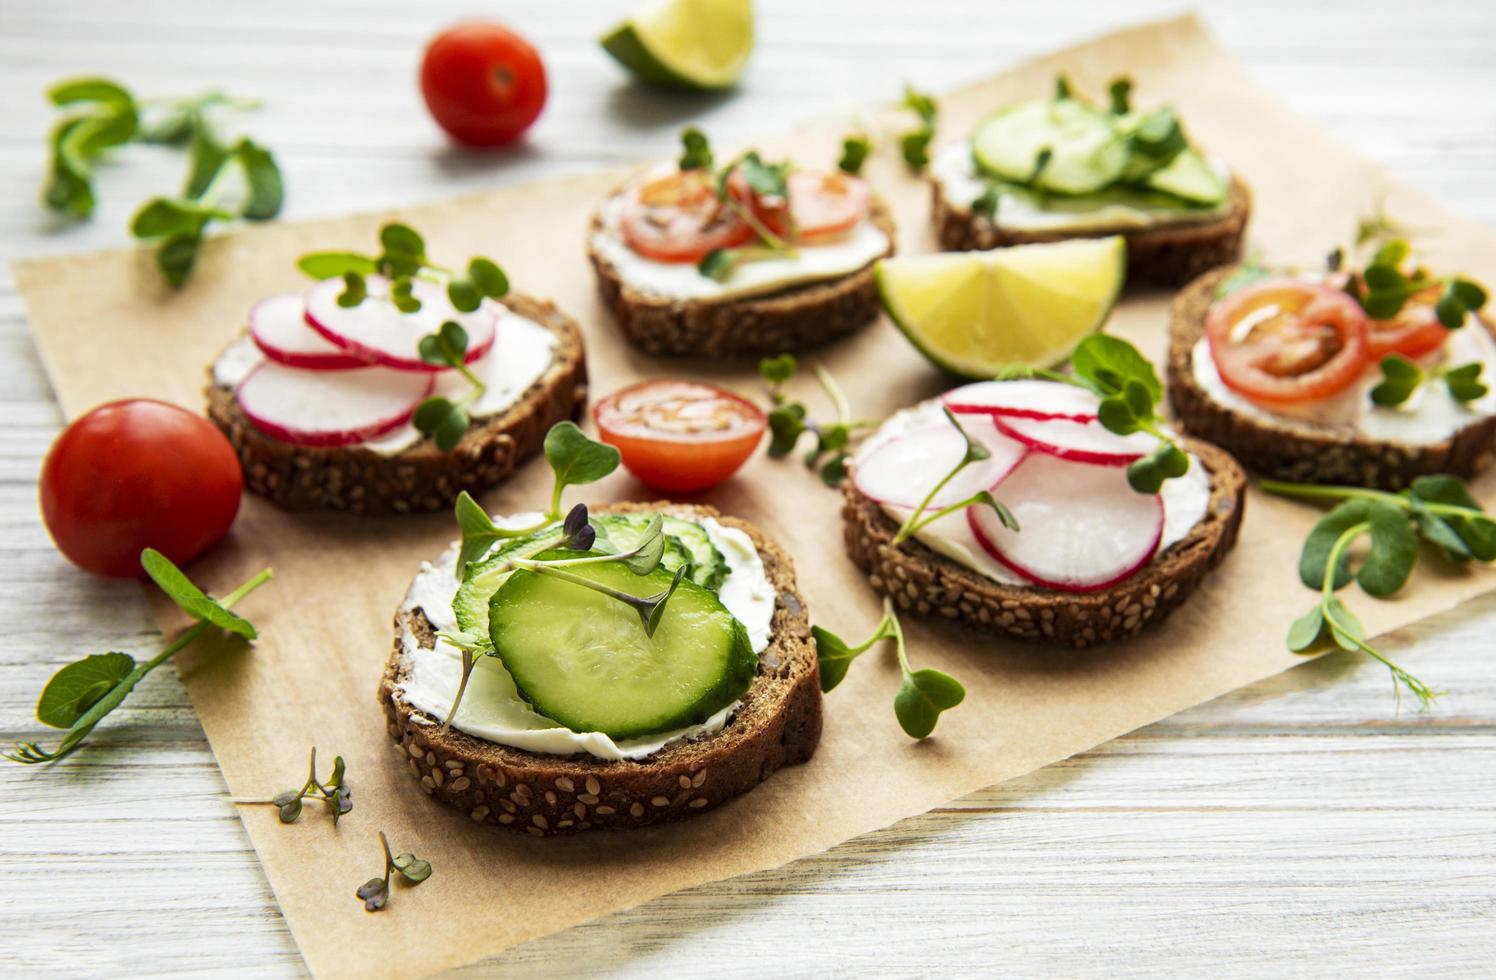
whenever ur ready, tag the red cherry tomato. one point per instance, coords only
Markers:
(483, 83)
(679, 218)
(135, 474)
(680, 436)
(1287, 341)
(824, 204)
(1414, 332)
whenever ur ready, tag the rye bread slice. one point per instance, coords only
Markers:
(778, 724)
(421, 477)
(1294, 449)
(763, 325)
(926, 583)
(1168, 255)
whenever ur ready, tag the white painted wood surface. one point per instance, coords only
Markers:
(1301, 826)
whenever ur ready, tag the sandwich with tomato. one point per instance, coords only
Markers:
(1368, 376)
(740, 258)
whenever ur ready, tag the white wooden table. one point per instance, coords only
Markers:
(1300, 826)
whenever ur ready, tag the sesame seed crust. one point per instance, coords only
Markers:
(777, 724)
(792, 319)
(1168, 255)
(420, 478)
(1292, 449)
(926, 583)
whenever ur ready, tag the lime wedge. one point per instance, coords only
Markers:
(700, 44)
(973, 312)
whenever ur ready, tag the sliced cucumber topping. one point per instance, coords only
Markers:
(708, 565)
(1086, 151)
(686, 543)
(483, 578)
(582, 658)
(1190, 177)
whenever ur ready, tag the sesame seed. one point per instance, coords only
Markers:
(660, 801)
(636, 810)
(565, 785)
(479, 814)
(605, 810)
(587, 798)
(539, 821)
(460, 783)
(593, 786)
(698, 803)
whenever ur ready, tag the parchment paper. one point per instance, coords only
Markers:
(106, 329)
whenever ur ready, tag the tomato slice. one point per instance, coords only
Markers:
(680, 436)
(1413, 333)
(1286, 341)
(678, 218)
(824, 203)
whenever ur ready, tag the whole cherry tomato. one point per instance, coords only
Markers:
(134, 474)
(483, 83)
(680, 436)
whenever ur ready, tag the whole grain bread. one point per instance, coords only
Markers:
(791, 319)
(1294, 449)
(1168, 255)
(926, 583)
(421, 477)
(777, 724)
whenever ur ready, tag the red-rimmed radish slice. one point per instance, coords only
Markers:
(1023, 398)
(1079, 442)
(901, 471)
(1082, 528)
(330, 408)
(378, 332)
(279, 328)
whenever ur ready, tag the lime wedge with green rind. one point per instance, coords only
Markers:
(697, 44)
(971, 313)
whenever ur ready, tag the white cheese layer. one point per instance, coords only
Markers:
(961, 183)
(521, 354)
(1185, 499)
(491, 707)
(1430, 416)
(831, 259)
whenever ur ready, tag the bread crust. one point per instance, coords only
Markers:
(1292, 449)
(777, 724)
(1168, 255)
(422, 477)
(792, 319)
(926, 583)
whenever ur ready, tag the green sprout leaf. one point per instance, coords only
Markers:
(576, 459)
(1107, 363)
(192, 600)
(355, 290)
(1464, 381)
(1400, 378)
(915, 148)
(1119, 95)
(986, 203)
(72, 91)
(411, 868)
(777, 370)
(922, 697)
(489, 279)
(854, 154)
(267, 191)
(330, 265)
(444, 420)
(696, 150)
(718, 263)
(786, 424)
(79, 686)
(834, 656)
(447, 347)
(1307, 633)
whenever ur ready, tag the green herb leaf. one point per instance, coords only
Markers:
(1307, 632)
(71, 91)
(1119, 94)
(402, 240)
(777, 370)
(206, 158)
(355, 290)
(1475, 530)
(647, 554)
(290, 810)
(921, 104)
(834, 657)
(445, 421)
(1345, 628)
(463, 294)
(922, 697)
(1469, 294)
(766, 180)
(915, 148)
(412, 868)
(576, 459)
(1394, 549)
(488, 277)
(1450, 311)
(986, 203)
(479, 533)
(786, 425)
(656, 612)
(79, 686)
(854, 153)
(718, 263)
(1464, 381)
(267, 191)
(330, 265)
(402, 294)
(1107, 363)
(375, 893)
(834, 470)
(1166, 462)
(1315, 556)
(192, 600)
(1062, 87)
(447, 347)
(1400, 378)
(696, 150)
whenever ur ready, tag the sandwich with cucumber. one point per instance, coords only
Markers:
(1068, 167)
(738, 258)
(392, 384)
(611, 668)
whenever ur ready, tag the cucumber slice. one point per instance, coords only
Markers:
(1188, 176)
(708, 564)
(621, 532)
(686, 543)
(483, 579)
(582, 658)
(1087, 152)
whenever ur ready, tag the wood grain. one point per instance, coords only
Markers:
(1301, 825)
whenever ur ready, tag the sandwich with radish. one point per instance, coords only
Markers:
(741, 258)
(1046, 506)
(1371, 373)
(608, 668)
(392, 384)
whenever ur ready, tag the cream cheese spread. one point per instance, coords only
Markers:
(522, 352)
(491, 707)
(960, 182)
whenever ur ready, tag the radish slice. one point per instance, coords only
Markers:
(904, 469)
(1024, 398)
(279, 328)
(330, 408)
(1083, 528)
(1079, 442)
(376, 331)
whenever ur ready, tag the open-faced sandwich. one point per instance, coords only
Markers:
(748, 259)
(638, 664)
(1051, 507)
(391, 385)
(1047, 170)
(1370, 377)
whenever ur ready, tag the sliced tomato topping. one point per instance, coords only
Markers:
(678, 218)
(1413, 333)
(680, 436)
(823, 204)
(1286, 341)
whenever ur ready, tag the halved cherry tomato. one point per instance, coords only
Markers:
(1414, 332)
(679, 218)
(680, 436)
(823, 204)
(1286, 340)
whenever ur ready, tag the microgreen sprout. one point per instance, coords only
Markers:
(975, 452)
(335, 792)
(82, 693)
(445, 419)
(855, 150)
(1385, 286)
(789, 420)
(768, 181)
(375, 893)
(1401, 377)
(922, 695)
(915, 144)
(1437, 509)
(402, 260)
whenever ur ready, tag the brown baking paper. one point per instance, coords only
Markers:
(107, 328)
